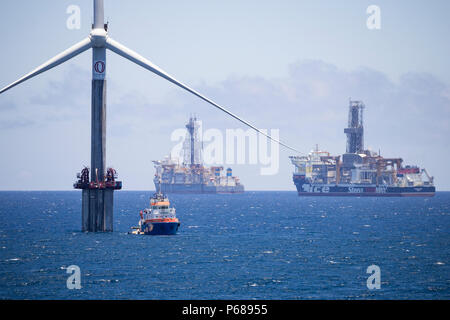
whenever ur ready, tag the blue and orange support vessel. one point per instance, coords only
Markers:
(159, 219)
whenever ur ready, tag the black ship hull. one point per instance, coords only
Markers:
(357, 190)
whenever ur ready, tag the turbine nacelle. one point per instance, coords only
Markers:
(98, 37)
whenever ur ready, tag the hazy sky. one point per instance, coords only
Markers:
(288, 65)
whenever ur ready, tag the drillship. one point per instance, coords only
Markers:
(360, 172)
(192, 176)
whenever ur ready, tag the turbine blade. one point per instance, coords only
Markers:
(140, 60)
(53, 62)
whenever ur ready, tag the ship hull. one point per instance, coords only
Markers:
(368, 194)
(160, 228)
(307, 189)
(198, 188)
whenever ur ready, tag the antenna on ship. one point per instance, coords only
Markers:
(159, 185)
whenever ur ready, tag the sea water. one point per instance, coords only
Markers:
(256, 245)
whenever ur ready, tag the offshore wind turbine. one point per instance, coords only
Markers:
(97, 195)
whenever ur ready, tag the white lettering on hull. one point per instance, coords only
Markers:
(380, 190)
(315, 189)
(355, 190)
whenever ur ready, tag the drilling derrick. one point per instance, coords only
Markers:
(355, 130)
(192, 148)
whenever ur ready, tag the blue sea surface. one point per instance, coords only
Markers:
(256, 245)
